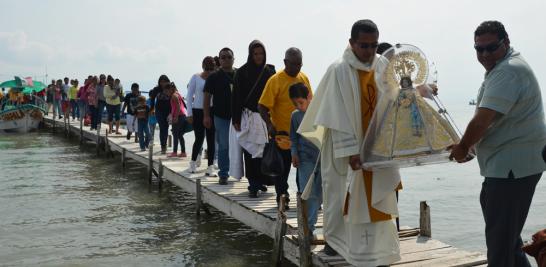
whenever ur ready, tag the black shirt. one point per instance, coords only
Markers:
(220, 85)
(162, 101)
(131, 101)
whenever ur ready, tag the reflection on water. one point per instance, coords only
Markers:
(61, 205)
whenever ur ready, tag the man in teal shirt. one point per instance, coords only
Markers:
(508, 132)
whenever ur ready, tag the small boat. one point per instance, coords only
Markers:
(472, 102)
(24, 112)
(21, 118)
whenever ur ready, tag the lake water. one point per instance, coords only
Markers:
(61, 205)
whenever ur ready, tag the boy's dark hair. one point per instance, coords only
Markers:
(134, 85)
(382, 47)
(298, 90)
(363, 25)
(493, 27)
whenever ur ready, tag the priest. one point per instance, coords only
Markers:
(359, 206)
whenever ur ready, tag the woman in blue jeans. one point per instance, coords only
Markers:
(162, 108)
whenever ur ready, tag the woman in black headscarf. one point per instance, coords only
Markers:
(249, 83)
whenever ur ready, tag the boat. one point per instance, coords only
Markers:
(472, 102)
(24, 114)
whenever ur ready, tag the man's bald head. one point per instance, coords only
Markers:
(292, 52)
(293, 61)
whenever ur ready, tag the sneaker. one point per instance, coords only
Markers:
(253, 194)
(163, 150)
(171, 155)
(136, 138)
(210, 171)
(223, 181)
(143, 149)
(329, 250)
(263, 188)
(182, 155)
(129, 135)
(192, 168)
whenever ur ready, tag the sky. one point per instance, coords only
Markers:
(138, 40)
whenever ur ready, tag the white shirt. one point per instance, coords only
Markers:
(195, 95)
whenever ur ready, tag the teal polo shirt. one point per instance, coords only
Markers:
(515, 140)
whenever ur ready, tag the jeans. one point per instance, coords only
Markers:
(98, 114)
(178, 134)
(152, 130)
(75, 108)
(315, 199)
(222, 138)
(57, 108)
(200, 132)
(93, 111)
(82, 109)
(143, 134)
(505, 203)
(163, 128)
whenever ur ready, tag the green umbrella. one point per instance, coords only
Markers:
(23, 86)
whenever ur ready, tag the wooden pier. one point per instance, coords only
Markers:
(261, 213)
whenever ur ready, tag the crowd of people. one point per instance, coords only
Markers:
(240, 110)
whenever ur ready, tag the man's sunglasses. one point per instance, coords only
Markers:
(489, 48)
(367, 45)
(226, 57)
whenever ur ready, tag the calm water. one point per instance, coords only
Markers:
(62, 207)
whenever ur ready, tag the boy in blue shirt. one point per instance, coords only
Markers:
(304, 153)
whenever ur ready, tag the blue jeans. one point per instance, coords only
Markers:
(82, 109)
(178, 134)
(222, 138)
(315, 199)
(57, 106)
(98, 114)
(163, 128)
(75, 108)
(143, 134)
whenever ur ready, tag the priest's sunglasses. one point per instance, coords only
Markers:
(367, 45)
(489, 48)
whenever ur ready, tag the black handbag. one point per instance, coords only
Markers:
(272, 161)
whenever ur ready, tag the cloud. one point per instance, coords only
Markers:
(15, 47)
(107, 52)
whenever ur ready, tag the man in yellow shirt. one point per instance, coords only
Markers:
(276, 109)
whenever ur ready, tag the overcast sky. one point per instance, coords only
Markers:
(137, 40)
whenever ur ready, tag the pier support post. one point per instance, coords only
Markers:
(160, 175)
(98, 140)
(150, 163)
(107, 148)
(280, 232)
(304, 240)
(170, 141)
(424, 220)
(198, 200)
(123, 157)
(199, 205)
(81, 131)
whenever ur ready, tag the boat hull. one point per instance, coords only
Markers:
(21, 120)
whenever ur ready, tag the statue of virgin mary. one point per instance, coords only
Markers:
(405, 129)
